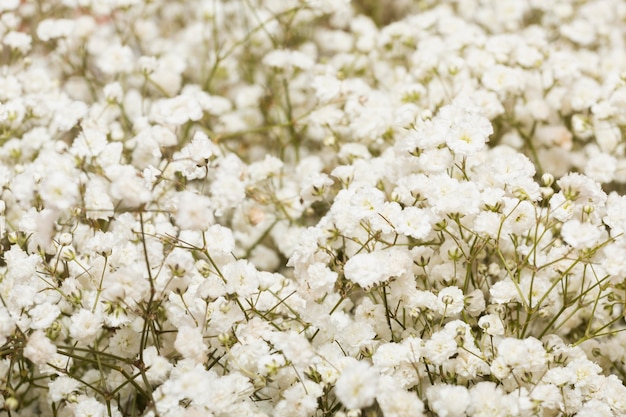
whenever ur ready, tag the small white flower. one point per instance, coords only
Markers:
(581, 235)
(194, 211)
(448, 400)
(357, 386)
(85, 326)
(450, 301)
(469, 134)
(190, 344)
(368, 269)
(39, 349)
(414, 222)
(491, 324)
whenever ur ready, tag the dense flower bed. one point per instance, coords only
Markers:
(312, 208)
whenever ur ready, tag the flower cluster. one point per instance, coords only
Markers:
(312, 208)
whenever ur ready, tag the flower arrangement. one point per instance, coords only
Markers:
(312, 208)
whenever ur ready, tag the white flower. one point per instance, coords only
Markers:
(39, 349)
(59, 190)
(450, 301)
(190, 344)
(85, 326)
(18, 40)
(176, 111)
(299, 400)
(62, 387)
(158, 368)
(194, 211)
(448, 400)
(88, 407)
(581, 235)
(42, 315)
(580, 31)
(125, 342)
(503, 292)
(127, 186)
(285, 60)
(357, 385)
(242, 278)
(468, 134)
(491, 324)
(616, 214)
(98, 203)
(502, 79)
(116, 59)
(582, 190)
(522, 355)
(414, 222)
(440, 347)
(487, 399)
(601, 167)
(49, 29)
(396, 402)
(372, 268)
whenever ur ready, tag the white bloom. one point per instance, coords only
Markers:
(327, 88)
(158, 368)
(616, 214)
(357, 386)
(581, 235)
(491, 324)
(242, 278)
(368, 269)
(299, 400)
(580, 31)
(49, 29)
(98, 203)
(7, 5)
(468, 134)
(85, 326)
(488, 223)
(190, 344)
(487, 399)
(294, 346)
(194, 211)
(18, 40)
(59, 190)
(39, 349)
(127, 186)
(523, 355)
(88, 407)
(260, 170)
(62, 387)
(520, 218)
(440, 347)
(286, 60)
(113, 92)
(414, 222)
(502, 79)
(176, 111)
(601, 167)
(503, 292)
(396, 402)
(582, 190)
(595, 408)
(448, 400)
(116, 59)
(450, 301)
(42, 315)
(125, 342)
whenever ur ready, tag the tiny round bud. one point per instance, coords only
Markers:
(11, 403)
(547, 179)
(65, 239)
